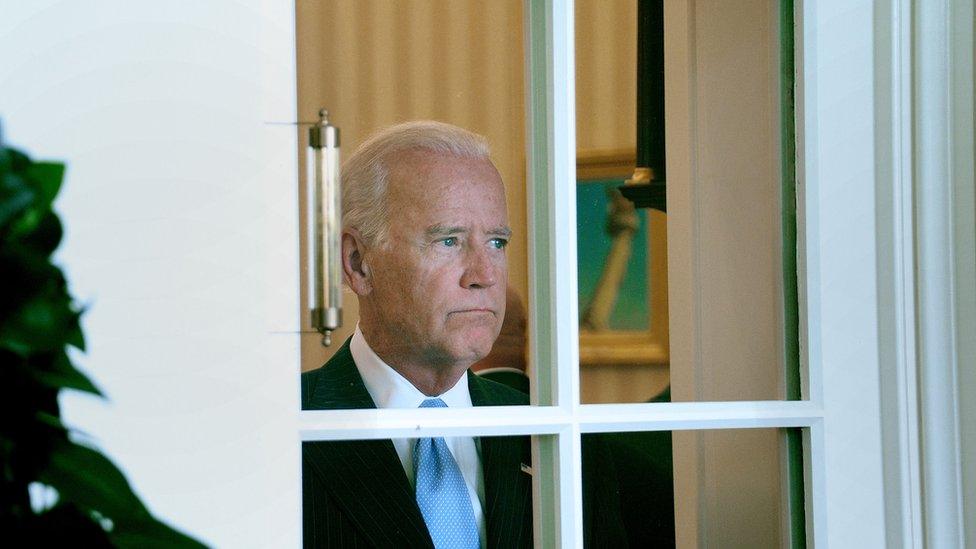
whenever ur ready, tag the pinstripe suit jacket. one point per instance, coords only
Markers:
(355, 493)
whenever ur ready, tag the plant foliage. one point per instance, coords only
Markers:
(39, 321)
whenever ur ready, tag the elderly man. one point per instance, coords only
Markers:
(424, 232)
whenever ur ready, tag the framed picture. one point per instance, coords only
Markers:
(622, 267)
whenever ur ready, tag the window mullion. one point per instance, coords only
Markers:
(554, 420)
(412, 423)
(665, 416)
(553, 340)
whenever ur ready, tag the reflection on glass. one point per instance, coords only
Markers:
(722, 488)
(621, 250)
(612, 254)
(622, 266)
(622, 273)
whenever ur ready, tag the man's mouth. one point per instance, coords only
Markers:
(474, 310)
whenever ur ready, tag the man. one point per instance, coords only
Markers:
(424, 232)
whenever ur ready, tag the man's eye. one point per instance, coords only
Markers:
(498, 243)
(450, 241)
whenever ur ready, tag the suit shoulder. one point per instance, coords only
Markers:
(313, 382)
(310, 380)
(336, 385)
(497, 394)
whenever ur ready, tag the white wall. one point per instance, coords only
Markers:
(181, 241)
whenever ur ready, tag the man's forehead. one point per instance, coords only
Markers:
(420, 162)
(431, 178)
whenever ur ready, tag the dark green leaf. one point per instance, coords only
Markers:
(47, 176)
(26, 223)
(42, 324)
(12, 160)
(52, 421)
(65, 525)
(13, 202)
(45, 234)
(88, 479)
(149, 534)
(24, 272)
(59, 373)
(74, 336)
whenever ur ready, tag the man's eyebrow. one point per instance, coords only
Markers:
(443, 230)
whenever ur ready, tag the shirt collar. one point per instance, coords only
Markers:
(389, 389)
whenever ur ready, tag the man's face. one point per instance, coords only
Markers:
(438, 286)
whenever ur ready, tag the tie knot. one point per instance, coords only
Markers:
(433, 403)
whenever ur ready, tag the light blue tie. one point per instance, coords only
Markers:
(441, 492)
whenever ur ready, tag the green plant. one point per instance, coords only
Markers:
(94, 505)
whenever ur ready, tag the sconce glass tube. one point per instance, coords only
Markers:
(324, 222)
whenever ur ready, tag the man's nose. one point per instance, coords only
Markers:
(479, 270)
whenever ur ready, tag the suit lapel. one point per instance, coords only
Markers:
(364, 476)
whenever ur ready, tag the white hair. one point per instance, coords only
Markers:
(365, 175)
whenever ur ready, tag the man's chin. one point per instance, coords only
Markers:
(468, 353)
(468, 344)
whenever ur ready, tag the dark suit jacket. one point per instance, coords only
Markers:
(355, 493)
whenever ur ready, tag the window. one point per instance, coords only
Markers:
(841, 438)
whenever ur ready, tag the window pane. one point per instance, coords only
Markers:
(723, 488)
(368, 492)
(702, 297)
(375, 63)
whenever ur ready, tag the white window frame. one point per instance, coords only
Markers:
(854, 146)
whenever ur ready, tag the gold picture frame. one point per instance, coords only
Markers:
(629, 348)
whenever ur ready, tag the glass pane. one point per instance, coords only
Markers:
(718, 215)
(716, 488)
(376, 63)
(382, 493)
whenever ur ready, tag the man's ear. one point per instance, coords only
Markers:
(353, 267)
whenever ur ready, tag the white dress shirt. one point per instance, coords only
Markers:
(389, 389)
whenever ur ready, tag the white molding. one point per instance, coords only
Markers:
(896, 280)
(936, 130)
(963, 182)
